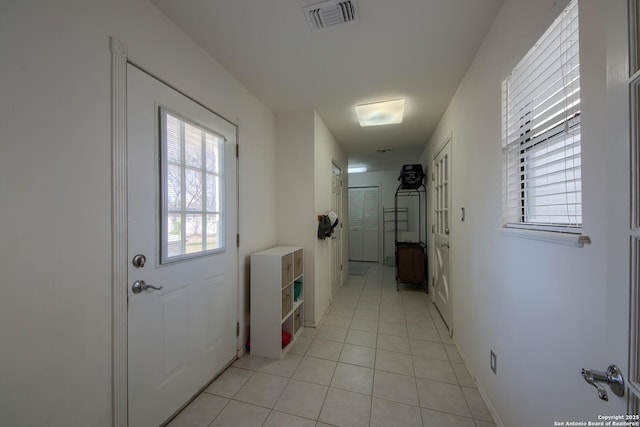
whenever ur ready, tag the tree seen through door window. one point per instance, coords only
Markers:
(192, 188)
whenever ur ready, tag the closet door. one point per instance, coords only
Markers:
(363, 224)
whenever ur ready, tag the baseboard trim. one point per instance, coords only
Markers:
(483, 393)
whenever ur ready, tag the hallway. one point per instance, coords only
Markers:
(379, 358)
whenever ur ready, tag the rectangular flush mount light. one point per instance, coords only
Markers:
(357, 169)
(380, 113)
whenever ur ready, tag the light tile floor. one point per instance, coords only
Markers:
(379, 358)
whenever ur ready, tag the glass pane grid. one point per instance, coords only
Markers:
(192, 188)
(441, 195)
(635, 152)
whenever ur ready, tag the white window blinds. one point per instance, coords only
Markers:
(192, 188)
(541, 131)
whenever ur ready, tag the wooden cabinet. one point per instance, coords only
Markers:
(277, 299)
(410, 263)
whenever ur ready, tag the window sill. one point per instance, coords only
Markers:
(567, 239)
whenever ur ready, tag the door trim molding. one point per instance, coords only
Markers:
(633, 147)
(335, 168)
(119, 231)
(443, 145)
(119, 225)
(447, 143)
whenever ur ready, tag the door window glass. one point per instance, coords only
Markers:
(191, 176)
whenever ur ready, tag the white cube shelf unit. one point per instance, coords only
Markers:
(275, 274)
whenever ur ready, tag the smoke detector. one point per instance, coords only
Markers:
(330, 13)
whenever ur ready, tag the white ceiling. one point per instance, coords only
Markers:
(415, 49)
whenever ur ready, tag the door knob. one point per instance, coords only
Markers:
(613, 377)
(446, 231)
(140, 285)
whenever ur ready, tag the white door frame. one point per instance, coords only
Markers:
(623, 228)
(119, 231)
(338, 231)
(432, 252)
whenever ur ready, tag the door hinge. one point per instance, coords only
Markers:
(340, 267)
(433, 228)
(433, 176)
(237, 329)
(237, 150)
(238, 240)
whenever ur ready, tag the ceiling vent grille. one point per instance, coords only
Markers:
(330, 13)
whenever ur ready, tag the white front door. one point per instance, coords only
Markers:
(441, 205)
(623, 213)
(363, 224)
(336, 238)
(182, 219)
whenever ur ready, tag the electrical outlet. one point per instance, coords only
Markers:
(493, 362)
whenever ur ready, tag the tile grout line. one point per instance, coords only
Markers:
(413, 367)
(375, 289)
(229, 400)
(337, 361)
(375, 356)
(373, 379)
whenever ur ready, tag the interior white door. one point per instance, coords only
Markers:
(364, 223)
(183, 333)
(441, 209)
(336, 238)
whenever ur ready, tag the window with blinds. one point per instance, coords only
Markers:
(541, 132)
(191, 181)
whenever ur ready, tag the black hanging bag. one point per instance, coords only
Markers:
(411, 176)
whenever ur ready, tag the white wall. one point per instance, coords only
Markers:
(303, 194)
(535, 304)
(296, 217)
(55, 172)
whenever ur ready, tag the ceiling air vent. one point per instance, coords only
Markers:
(330, 13)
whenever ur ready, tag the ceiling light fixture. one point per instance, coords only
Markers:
(357, 169)
(380, 113)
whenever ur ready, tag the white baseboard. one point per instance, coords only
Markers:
(483, 393)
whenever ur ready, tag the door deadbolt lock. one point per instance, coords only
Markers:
(613, 377)
(139, 260)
